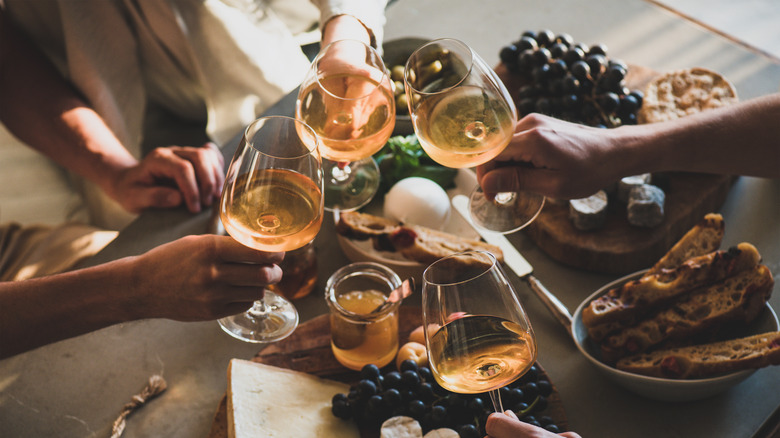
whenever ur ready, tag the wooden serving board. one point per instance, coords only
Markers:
(308, 350)
(618, 247)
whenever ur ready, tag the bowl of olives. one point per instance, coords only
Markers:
(396, 53)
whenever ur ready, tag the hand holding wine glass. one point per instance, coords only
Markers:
(479, 337)
(272, 201)
(464, 116)
(347, 98)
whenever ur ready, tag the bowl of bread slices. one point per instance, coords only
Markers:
(695, 324)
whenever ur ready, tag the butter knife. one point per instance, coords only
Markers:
(518, 264)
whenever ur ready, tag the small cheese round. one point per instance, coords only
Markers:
(589, 213)
(418, 201)
(646, 206)
(401, 427)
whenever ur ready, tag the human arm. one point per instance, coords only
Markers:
(361, 20)
(44, 111)
(569, 160)
(507, 425)
(195, 278)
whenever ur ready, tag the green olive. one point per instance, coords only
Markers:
(397, 73)
(398, 87)
(401, 104)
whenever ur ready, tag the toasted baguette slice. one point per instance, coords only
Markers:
(707, 360)
(737, 299)
(704, 238)
(650, 292)
(414, 242)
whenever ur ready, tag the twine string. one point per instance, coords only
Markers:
(155, 386)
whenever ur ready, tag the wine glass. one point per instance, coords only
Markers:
(464, 116)
(347, 98)
(272, 201)
(478, 336)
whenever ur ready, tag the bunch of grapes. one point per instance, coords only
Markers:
(570, 81)
(413, 392)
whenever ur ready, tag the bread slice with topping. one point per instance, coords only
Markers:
(414, 242)
(707, 360)
(737, 299)
(636, 298)
(704, 238)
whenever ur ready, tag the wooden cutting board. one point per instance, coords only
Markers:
(308, 350)
(618, 247)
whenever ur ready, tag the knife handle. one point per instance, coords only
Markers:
(554, 305)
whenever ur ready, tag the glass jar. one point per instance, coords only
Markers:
(299, 276)
(358, 336)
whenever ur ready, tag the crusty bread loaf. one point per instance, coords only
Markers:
(414, 242)
(707, 360)
(683, 92)
(704, 238)
(737, 299)
(635, 298)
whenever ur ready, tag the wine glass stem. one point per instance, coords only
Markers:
(258, 309)
(495, 397)
(504, 198)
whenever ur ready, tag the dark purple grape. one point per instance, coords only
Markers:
(565, 39)
(545, 387)
(557, 68)
(468, 431)
(508, 54)
(558, 49)
(438, 414)
(541, 56)
(572, 55)
(580, 70)
(609, 102)
(408, 364)
(410, 379)
(597, 49)
(525, 60)
(416, 409)
(545, 37)
(527, 42)
(370, 372)
(392, 380)
(597, 64)
(342, 409)
(366, 388)
(392, 397)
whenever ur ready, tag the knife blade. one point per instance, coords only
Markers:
(517, 263)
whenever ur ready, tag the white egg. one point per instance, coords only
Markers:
(418, 201)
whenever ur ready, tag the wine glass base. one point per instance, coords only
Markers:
(278, 321)
(516, 212)
(351, 187)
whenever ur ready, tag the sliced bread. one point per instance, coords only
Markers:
(650, 292)
(737, 299)
(707, 360)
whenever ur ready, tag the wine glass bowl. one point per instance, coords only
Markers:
(464, 116)
(479, 337)
(462, 113)
(272, 201)
(347, 98)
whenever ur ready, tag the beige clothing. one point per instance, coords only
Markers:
(37, 251)
(219, 61)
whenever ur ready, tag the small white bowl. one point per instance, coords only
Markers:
(669, 390)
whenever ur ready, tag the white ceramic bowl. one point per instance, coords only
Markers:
(659, 388)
